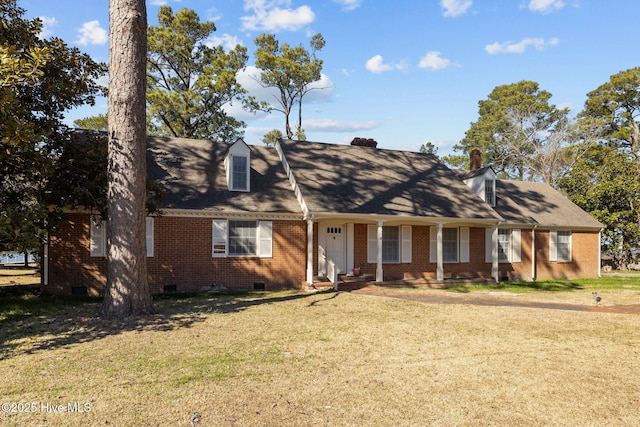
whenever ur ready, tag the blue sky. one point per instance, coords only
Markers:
(403, 72)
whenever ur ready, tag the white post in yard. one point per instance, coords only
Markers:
(379, 272)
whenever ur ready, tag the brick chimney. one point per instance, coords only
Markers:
(475, 159)
(364, 142)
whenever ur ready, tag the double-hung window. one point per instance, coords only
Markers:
(396, 244)
(490, 191)
(242, 238)
(240, 170)
(455, 244)
(504, 245)
(390, 244)
(560, 245)
(98, 236)
(509, 245)
(450, 244)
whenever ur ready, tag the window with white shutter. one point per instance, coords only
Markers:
(149, 236)
(219, 242)
(265, 239)
(98, 237)
(242, 238)
(509, 245)
(559, 245)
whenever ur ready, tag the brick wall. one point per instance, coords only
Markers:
(584, 261)
(182, 258)
(70, 263)
(584, 257)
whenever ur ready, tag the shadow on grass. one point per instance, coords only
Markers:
(32, 323)
(520, 287)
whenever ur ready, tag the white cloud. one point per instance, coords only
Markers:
(268, 15)
(453, 8)
(521, 46)
(349, 5)
(47, 26)
(322, 90)
(227, 41)
(92, 33)
(376, 65)
(434, 61)
(546, 6)
(329, 125)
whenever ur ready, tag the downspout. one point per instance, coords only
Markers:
(599, 254)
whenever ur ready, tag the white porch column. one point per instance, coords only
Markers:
(439, 256)
(533, 253)
(494, 253)
(310, 251)
(379, 272)
(350, 249)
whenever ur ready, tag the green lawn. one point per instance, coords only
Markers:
(609, 282)
(298, 359)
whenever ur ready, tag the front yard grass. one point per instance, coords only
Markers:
(608, 282)
(300, 359)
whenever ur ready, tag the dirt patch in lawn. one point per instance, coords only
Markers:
(609, 302)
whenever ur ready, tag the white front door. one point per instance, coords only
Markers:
(335, 246)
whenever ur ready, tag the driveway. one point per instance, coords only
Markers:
(435, 297)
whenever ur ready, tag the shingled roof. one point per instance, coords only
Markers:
(523, 202)
(346, 179)
(192, 176)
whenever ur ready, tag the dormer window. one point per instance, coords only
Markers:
(490, 191)
(237, 163)
(239, 178)
(481, 180)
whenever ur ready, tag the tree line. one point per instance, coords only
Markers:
(593, 157)
(46, 166)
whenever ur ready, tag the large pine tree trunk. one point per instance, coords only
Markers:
(127, 291)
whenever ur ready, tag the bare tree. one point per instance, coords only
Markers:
(127, 292)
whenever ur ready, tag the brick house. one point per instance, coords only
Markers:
(256, 217)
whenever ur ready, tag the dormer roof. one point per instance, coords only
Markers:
(463, 174)
(191, 175)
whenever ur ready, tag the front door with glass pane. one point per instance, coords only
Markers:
(335, 246)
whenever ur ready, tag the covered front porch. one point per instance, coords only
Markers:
(341, 250)
(346, 282)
